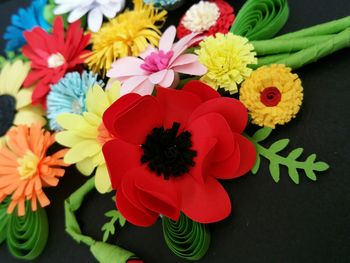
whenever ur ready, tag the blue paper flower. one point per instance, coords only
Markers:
(162, 3)
(68, 95)
(25, 19)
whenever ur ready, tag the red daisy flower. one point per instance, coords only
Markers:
(220, 20)
(52, 55)
(169, 151)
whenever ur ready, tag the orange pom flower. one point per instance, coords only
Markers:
(26, 169)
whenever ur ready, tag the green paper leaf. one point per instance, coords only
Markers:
(185, 238)
(27, 235)
(261, 19)
(256, 166)
(279, 145)
(309, 166)
(108, 228)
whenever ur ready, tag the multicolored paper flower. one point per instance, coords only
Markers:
(157, 66)
(26, 168)
(227, 58)
(166, 4)
(170, 162)
(15, 102)
(96, 9)
(128, 34)
(52, 55)
(69, 94)
(25, 19)
(85, 134)
(272, 94)
(207, 17)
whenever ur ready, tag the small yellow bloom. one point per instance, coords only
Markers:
(16, 102)
(128, 34)
(272, 94)
(227, 58)
(85, 135)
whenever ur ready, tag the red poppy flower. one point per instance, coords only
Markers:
(169, 151)
(222, 24)
(52, 55)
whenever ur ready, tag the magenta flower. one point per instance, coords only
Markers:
(157, 66)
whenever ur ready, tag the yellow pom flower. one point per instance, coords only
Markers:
(128, 34)
(85, 135)
(272, 94)
(16, 102)
(227, 58)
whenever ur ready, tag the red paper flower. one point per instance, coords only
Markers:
(52, 55)
(225, 18)
(169, 151)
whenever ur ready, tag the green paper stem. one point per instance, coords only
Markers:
(26, 236)
(185, 238)
(314, 53)
(278, 46)
(328, 28)
(261, 19)
(103, 252)
(309, 166)
(267, 60)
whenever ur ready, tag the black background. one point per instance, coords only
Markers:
(270, 222)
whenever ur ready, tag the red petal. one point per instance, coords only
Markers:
(158, 194)
(120, 157)
(134, 124)
(214, 125)
(33, 77)
(247, 155)
(40, 92)
(201, 89)
(133, 214)
(177, 105)
(232, 110)
(204, 203)
(119, 106)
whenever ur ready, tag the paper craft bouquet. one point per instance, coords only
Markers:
(159, 121)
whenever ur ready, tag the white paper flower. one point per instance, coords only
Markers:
(201, 16)
(96, 9)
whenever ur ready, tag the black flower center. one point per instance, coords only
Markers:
(7, 113)
(168, 153)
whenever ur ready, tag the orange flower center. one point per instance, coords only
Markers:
(28, 165)
(103, 134)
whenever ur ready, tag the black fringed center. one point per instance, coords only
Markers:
(7, 113)
(167, 152)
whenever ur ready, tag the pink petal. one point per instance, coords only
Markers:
(145, 88)
(148, 51)
(131, 84)
(157, 77)
(184, 59)
(168, 79)
(167, 39)
(127, 66)
(180, 46)
(194, 68)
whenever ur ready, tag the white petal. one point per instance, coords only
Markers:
(95, 19)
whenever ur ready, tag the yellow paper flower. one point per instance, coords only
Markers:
(16, 102)
(272, 94)
(128, 34)
(85, 135)
(227, 58)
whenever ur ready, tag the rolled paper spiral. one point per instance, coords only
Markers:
(4, 218)
(26, 236)
(261, 19)
(185, 238)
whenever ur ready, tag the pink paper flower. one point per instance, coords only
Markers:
(157, 66)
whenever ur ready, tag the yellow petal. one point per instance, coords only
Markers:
(68, 138)
(82, 150)
(113, 92)
(92, 119)
(86, 166)
(96, 100)
(77, 123)
(102, 180)
(28, 117)
(24, 98)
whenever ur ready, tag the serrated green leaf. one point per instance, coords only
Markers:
(262, 134)
(310, 174)
(293, 174)
(311, 158)
(279, 145)
(256, 166)
(275, 171)
(295, 153)
(321, 166)
(112, 213)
